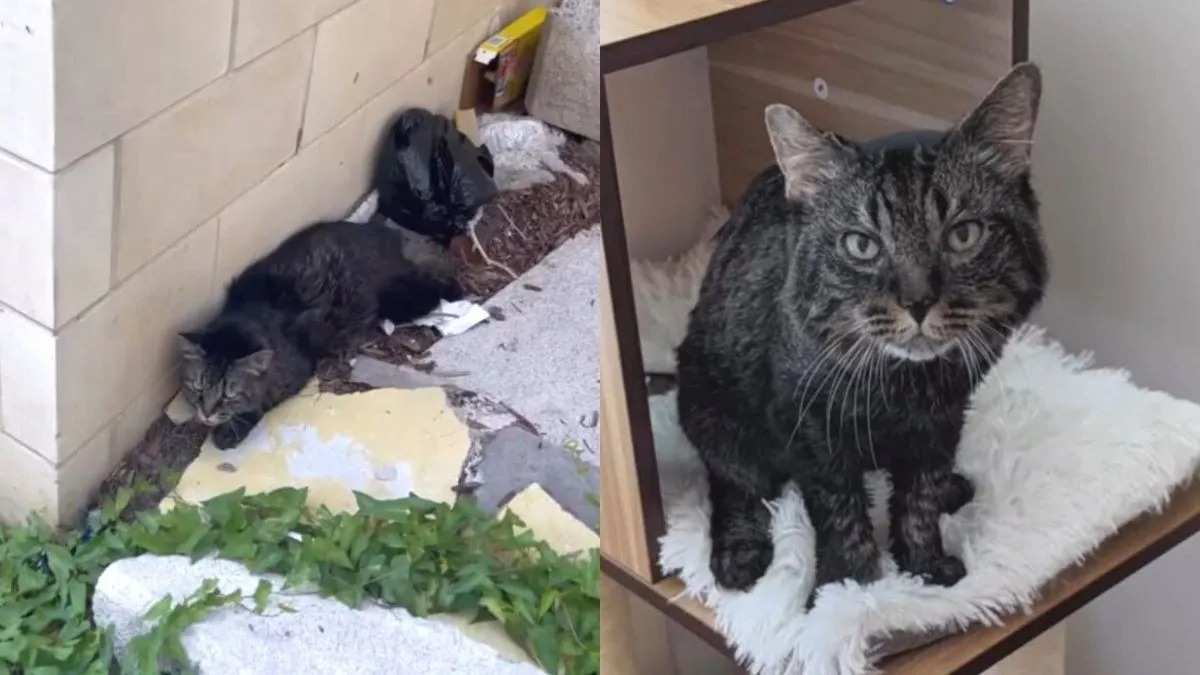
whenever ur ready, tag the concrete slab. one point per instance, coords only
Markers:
(376, 373)
(542, 358)
(564, 88)
(562, 531)
(503, 463)
(416, 435)
(388, 443)
(322, 636)
(514, 459)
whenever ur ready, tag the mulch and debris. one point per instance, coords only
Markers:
(155, 465)
(521, 228)
(517, 231)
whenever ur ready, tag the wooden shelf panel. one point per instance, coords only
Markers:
(889, 65)
(1138, 544)
(626, 19)
(633, 32)
(624, 539)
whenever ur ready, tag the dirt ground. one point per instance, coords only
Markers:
(517, 231)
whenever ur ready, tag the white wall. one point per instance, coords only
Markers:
(1117, 166)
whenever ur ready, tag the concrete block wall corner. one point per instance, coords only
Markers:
(149, 149)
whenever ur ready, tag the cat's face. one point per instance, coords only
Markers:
(918, 252)
(220, 385)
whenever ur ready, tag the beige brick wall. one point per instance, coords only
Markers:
(150, 149)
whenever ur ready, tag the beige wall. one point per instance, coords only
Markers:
(149, 149)
(1117, 165)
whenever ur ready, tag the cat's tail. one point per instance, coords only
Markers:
(412, 296)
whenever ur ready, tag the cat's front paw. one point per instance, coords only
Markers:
(835, 570)
(226, 436)
(944, 571)
(739, 562)
(958, 493)
(864, 570)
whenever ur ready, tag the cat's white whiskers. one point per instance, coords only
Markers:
(863, 373)
(995, 357)
(851, 395)
(1004, 338)
(980, 356)
(806, 378)
(870, 377)
(881, 368)
(824, 353)
(882, 365)
(841, 368)
(815, 369)
(968, 358)
(979, 359)
(835, 373)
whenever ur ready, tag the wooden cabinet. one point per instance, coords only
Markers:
(860, 68)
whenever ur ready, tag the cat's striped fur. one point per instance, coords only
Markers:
(854, 300)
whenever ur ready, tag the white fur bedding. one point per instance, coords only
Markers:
(1061, 456)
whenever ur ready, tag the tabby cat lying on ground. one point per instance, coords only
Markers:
(853, 302)
(310, 297)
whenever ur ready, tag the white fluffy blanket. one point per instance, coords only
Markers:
(1061, 456)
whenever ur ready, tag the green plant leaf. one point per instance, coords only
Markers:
(549, 596)
(544, 643)
(222, 508)
(425, 556)
(261, 594)
(113, 510)
(158, 611)
(495, 606)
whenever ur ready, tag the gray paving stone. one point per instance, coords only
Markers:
(543, 358)
(527, 385)
(513, 458)
(378, 373)
(564, 88)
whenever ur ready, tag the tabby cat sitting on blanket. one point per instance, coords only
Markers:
(854, 301)
(309, 298)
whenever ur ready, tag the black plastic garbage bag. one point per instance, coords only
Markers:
(431, 178)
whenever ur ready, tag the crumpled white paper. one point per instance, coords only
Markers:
(453, 318)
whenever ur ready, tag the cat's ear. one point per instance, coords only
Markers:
(803, 152)
(257, 363)
(189, 346)
(999, 131)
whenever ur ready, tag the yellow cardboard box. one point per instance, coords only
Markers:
(502, 64)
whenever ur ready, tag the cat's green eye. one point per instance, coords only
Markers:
(860, 246)
(964, 236)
